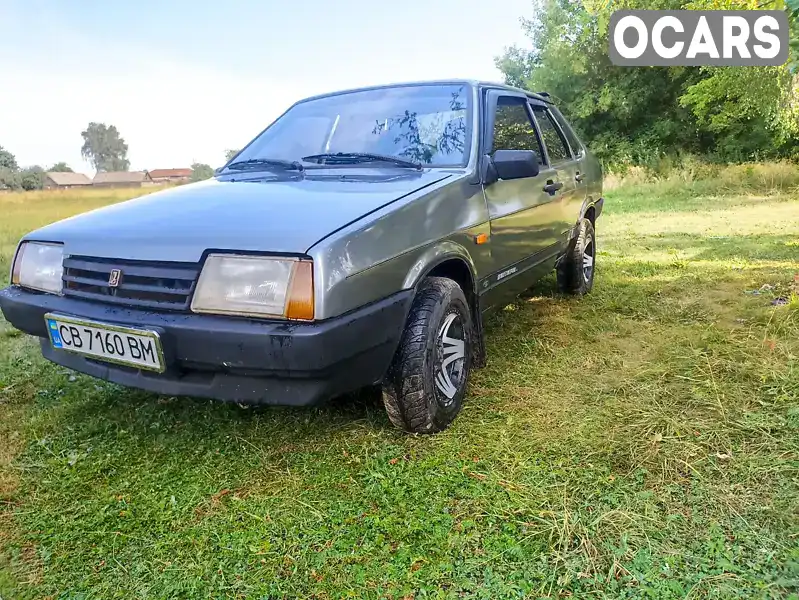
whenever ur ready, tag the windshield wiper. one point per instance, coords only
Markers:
(289, 165)
(351, 158)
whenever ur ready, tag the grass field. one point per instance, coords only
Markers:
(642, 442)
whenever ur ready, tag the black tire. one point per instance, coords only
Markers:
(576, 269)
(425, 385)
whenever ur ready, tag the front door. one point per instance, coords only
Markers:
(526, 214)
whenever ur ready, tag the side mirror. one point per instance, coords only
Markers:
(515, 164)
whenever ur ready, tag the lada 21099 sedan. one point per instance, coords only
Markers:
(358, 240)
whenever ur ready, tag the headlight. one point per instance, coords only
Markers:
(255, 285)
(38, 266)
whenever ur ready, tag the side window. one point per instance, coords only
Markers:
(556, 145)
(574, 142)
(513, 128)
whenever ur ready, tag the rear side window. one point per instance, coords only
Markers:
(574, 142)
(553, 139)
(513, 128)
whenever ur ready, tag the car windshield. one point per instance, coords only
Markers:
(425, 124)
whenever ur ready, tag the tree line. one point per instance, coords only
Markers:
(103, 147)
(653, 116)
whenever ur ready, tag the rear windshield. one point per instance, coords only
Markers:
(428, 124)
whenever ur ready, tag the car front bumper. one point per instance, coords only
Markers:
(233, 358)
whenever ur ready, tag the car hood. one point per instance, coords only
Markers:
(274, 215)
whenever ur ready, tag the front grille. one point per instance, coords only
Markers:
(146, 284)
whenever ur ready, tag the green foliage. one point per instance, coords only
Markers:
(14, 178)
(104, 148)
(640, 115)
(7, 160)
(32, 178)
(60, 167)
(10, 179)
(792, 8)
(201, 171)
(229, 154)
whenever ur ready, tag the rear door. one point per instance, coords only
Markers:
(526, 220)
(567, 162)
(586, 181)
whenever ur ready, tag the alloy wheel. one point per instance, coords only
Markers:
(588, 259)
(450, 358)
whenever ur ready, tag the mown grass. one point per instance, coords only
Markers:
(642, 442)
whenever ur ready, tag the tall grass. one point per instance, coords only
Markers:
(773, 177)
(22, 212)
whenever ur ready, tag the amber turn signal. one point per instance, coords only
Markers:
(481, 238)
(301, 300)
(15, 271)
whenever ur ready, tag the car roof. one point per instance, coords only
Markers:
(543, 97)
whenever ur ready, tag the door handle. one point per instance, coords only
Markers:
(579, 177)
(552, 186)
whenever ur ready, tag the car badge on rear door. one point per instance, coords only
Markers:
(114, 277)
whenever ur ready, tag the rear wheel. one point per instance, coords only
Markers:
(426, 383)
(576, 269)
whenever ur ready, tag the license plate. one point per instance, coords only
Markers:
(137, 348)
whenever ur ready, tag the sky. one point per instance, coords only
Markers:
(184, 80)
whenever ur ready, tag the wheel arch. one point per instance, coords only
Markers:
(451, 260)
(591, 209)
(447, 257)
(590, 213)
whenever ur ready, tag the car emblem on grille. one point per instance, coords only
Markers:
(114, 277)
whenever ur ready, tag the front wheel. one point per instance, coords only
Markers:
(426, 382)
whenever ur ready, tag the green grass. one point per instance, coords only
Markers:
(642, 442)
(25, 211)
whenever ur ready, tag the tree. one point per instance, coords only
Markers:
(752, 111)
(229, 154)
(61, 167)
(8, 160)
(9, 180)
(9, 171)
(32, 178)
(642, 115)
(104, 148)
(201, 171)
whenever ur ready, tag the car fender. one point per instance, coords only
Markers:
(436, 255)
(596, 203)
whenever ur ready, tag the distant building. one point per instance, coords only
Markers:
(119, 179)
(170, 175)
(64, 181)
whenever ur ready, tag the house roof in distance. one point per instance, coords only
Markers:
(121, 177)
(61, 178)
(159, 173)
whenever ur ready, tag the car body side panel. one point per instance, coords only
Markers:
(456, 246)
(572, 194)
(501, 288)
(590, 170)
(369, 260)
(524, 218)
(593, 171)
